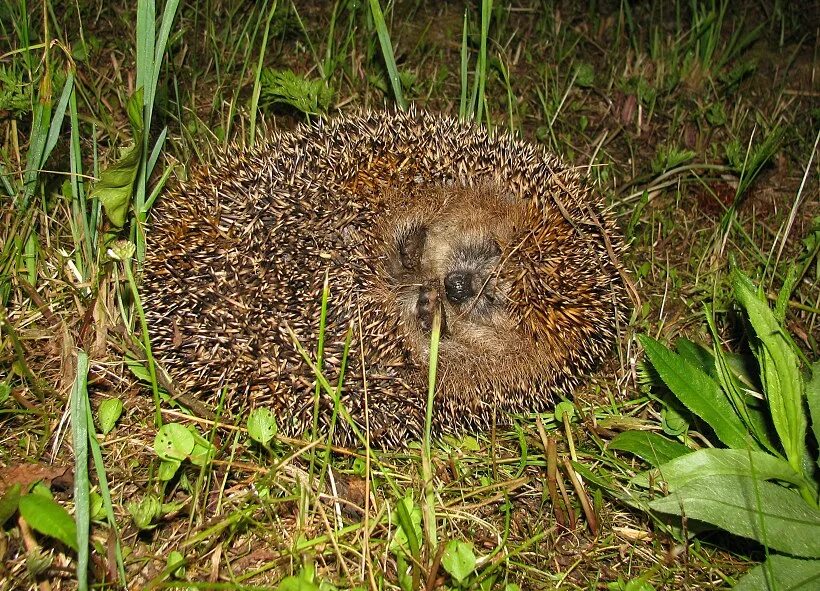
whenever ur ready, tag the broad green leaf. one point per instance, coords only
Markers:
(116, 184)
(565, 407)
(137, 368)
(173, 442)
(673, 422)
(262, 425)
(9, 502)
(167, 469)
(782, 573)
(779, 370)
(145, 511)
(203, 450)
(813, 399)
(716, 462)
(769, 513)
(458, 559)
(176, 561)
(698, 392)
(49, 518)
(109, 413)
(650, 447)
(304, 581)
(697, 355)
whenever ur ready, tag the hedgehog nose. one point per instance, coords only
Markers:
(428, 303)
(458, 286)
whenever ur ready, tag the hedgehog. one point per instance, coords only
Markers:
(406, 216)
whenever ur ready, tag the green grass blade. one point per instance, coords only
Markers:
(257, 82)
(37, 142)
(82, 486)
(88, 240)
(462, 105)
(146, 33)
(486, 13)
(426, 461)
(168, 15)
(105, 492)
(387, 53)
(57, 119)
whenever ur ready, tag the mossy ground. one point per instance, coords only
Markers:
(669, 108)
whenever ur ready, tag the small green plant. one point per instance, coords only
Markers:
(108, 414)
(670, 156)
(748, 160)
(262, 426)
(406, 542)
(175, 443)
(459, 561)
(311, 97)
(763, 484)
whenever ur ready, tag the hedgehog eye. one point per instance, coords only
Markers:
(411, 247)
(458, 286)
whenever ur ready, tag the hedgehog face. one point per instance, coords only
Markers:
(445, 253)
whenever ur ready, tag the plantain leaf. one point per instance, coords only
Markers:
(715, 462)
(50, 518)
(769, 513)
(745, 406)
(650, 447)
(698, 392)
(782, 573)
(813, 399)
(779, 370)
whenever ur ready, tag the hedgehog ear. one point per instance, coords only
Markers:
(411, 247)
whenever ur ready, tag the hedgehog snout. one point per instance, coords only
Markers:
(428, 302)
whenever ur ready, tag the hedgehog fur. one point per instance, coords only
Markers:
(407, 214)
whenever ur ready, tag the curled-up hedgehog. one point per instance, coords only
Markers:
(408, 214)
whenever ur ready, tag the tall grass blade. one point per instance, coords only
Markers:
(150, 51)
(486, 13)
(82, 486)
(426, 462)
(465, 82)
(387, 53)
(257, 82)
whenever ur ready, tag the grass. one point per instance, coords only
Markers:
(697, 121)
